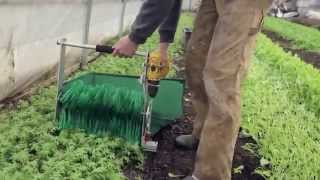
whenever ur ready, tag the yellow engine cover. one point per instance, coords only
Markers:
(157, 70)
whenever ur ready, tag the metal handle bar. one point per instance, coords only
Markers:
(98, 48)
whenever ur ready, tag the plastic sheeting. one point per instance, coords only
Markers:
(29, 30)
(309, 8)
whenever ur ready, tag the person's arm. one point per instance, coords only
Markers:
(151, 15)
(168, 27)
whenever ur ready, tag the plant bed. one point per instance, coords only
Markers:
(301, 36)
(307, 21)
(307, 56)
(32, 148)
(173, 163)
(280, 111)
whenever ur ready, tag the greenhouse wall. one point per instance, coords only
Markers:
(29, 31)
(309, 8)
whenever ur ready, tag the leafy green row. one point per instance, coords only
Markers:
(302, 36)
(281, 110)
(303, 79)
(31, 148)
(286, 131)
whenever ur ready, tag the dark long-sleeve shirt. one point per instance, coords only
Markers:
(162, 14)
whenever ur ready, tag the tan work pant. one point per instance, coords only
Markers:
(217, 58)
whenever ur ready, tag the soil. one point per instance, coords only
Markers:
(172, 163)
(307, 56)
(307, 21)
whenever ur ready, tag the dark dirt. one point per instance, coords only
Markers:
(307, 21)
(307, 56)
(171, 163)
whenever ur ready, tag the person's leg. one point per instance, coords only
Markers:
(196, 56)
(228, 56)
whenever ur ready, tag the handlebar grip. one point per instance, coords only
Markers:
(104, 49)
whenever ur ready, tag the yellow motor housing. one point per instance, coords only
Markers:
(157, 70)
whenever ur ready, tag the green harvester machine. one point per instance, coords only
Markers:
(131, 107)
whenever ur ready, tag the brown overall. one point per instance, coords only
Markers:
(217, 58)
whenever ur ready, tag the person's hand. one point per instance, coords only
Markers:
(125, 47)
(164, 54)
(164, 59)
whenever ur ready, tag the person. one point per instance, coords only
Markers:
(153, 14)
(217, 58)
